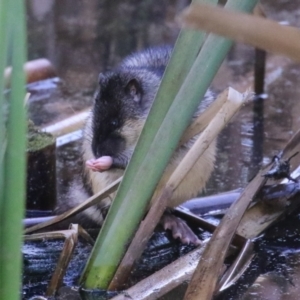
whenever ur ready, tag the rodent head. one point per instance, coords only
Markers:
(121, 107)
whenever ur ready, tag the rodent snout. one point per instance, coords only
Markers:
(110, 146)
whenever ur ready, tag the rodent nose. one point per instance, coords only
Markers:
(111, 146)
(97, 149)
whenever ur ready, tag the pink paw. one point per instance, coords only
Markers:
(100, 164)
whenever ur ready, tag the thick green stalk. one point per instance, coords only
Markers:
(3, 61)
(147, 166)
(12, 208)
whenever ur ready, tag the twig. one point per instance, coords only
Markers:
(84, 205)
(256, 31)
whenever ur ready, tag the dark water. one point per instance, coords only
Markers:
(83, 38)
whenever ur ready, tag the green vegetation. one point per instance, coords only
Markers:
(37, 139)
(13, 145)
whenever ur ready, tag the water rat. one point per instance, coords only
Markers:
(115, 123)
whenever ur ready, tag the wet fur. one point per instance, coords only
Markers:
(116, 120)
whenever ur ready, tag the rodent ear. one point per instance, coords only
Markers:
(133, 88)
(100, 78)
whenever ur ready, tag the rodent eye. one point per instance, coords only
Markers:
(114, 123)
